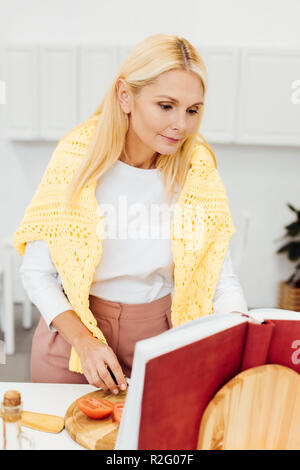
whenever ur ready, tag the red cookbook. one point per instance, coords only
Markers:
(177, 373)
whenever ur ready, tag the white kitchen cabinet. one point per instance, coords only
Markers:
(59, 91)
(219, 119)
(252, 95)
(97, 68)
(267, 114)
(21, 77)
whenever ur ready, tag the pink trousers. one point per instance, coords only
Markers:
(122, 325)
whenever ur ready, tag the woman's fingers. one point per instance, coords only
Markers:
(114, 365)
(107, 379)
(93, 378)
(95, 357)
(117, 371)
(98, 382)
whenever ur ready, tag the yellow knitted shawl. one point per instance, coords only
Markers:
(200, 232)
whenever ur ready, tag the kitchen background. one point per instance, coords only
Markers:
(57, 59)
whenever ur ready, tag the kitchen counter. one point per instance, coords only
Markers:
(48, 398)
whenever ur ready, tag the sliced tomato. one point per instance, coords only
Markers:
(95, 408)
(118, 410)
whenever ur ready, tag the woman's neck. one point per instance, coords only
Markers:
(145, 165)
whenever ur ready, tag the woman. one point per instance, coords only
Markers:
(140, 151)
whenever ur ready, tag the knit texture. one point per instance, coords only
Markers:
(200, 231)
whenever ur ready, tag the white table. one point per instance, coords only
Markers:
(51, 399)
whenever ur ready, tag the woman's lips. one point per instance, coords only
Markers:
(172, 141)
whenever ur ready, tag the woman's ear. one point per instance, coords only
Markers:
(123, 95)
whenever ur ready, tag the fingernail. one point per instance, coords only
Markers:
(123, 387)
(116, 391)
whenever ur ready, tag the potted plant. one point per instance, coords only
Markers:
(289, 290)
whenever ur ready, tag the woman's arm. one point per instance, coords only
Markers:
(229, 296)
(39, 277)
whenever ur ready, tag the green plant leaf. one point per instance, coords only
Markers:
(294, 252)
(292, 207)
(286, 247)
(294, 210)
(290, 279)
(293, 229)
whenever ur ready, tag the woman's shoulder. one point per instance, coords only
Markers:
(82, 134)
(68, 155)
(203, 153)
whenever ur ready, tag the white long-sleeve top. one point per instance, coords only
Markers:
(136, 265)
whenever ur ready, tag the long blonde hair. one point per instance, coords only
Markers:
(151, 57)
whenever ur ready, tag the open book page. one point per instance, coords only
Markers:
(273, 313)
(152, 347)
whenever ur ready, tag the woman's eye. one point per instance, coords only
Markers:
(166, 107)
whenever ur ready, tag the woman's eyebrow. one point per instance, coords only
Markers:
(173, 99)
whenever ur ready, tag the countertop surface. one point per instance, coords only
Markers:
(48, 398)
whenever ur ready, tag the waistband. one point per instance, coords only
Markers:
(104, 307)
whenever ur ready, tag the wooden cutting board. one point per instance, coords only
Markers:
(259, 409)
(94, 434)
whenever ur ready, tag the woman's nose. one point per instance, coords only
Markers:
(179, 124)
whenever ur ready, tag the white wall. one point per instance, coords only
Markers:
(259, 179)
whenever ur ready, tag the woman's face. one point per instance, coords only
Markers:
(153, 116)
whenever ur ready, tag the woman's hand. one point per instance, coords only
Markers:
(94, 355)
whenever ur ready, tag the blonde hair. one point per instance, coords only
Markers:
(151, 57)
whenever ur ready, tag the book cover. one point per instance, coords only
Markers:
(177, 373)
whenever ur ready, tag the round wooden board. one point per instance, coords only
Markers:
(259, 409)
(94, 434)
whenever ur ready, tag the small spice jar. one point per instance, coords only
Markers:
(11, 410)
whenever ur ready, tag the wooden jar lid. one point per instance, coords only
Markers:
(12, 398)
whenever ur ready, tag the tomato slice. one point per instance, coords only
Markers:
(95, 408)
(118, 410)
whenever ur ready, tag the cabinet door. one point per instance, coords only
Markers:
(268, 112)
(2, 81)
(218, 123)
(3, 97)
(59, 76)
(20, 74)
(98, 65)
